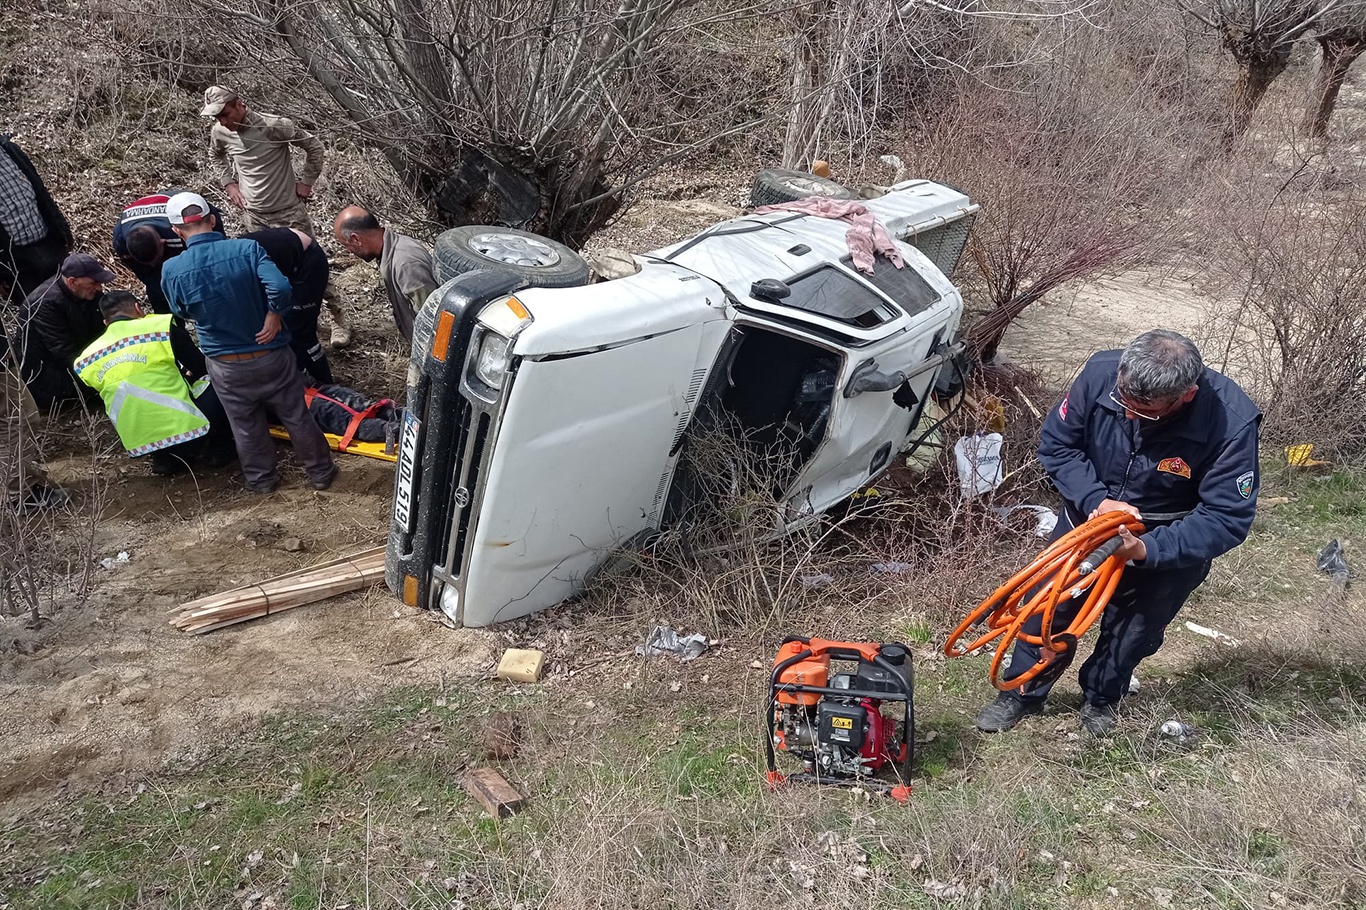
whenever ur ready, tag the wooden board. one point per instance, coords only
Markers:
(285, 592)
(367, 449)
(494, 794)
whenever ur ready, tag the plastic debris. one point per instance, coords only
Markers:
(1046, 518)
(1333, 563)
(1175, 729)
(889, 568)
(663, 640)
(979, 463)
(811, 582)
(1211, 633)
(110, 561)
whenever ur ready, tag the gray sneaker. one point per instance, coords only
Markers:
(1005, 712)
(1098, 720)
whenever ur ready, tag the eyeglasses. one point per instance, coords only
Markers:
(1128, 408)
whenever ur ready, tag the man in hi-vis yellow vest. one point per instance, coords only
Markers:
(152, 379)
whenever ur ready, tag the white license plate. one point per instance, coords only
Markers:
(407, 460)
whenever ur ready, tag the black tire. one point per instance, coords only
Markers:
(468, 248)
(778, 185)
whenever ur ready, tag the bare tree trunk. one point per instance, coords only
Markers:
(805, 118)
(1254, 78)
(1339, 53)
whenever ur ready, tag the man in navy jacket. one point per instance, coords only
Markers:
(1153, 432)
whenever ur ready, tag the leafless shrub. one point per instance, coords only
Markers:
(1080, 164)
(1295, 258)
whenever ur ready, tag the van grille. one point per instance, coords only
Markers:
(470, 483)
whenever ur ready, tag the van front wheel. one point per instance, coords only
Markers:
(539, 261)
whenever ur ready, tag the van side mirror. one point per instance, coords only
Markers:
(770, 289)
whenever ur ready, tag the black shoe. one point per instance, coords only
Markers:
(326, 481)
(169, 466)
(262, 489)
(1006, 711)
(220, 458)
(40, 497)
(1098, 720)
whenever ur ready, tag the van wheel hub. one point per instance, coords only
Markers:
(514, 249)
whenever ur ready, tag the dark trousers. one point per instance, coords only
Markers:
(308, 350)
(215, 447)
(25, 267)
(1132, 628)
(247, 388)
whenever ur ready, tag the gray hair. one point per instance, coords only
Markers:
(1158, 366)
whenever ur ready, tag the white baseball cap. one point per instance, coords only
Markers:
(177, 204)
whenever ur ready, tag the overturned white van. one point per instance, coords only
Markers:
(546, 425)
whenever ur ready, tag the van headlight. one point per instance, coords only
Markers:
(491, 361)
(499, 324)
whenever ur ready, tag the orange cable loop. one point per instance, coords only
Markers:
(1055, 572)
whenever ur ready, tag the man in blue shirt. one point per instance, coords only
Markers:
(1153, 432)
(235, 295)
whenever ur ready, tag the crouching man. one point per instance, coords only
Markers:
(155, 389)
(1153, 432)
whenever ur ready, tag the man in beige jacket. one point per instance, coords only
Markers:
(253, 153)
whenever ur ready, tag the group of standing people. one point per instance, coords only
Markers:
(254, 300)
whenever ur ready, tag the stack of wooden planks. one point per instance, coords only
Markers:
(285, 592)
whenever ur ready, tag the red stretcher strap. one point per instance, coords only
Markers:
(353, 426)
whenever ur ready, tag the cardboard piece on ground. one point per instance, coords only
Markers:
(494, 794)
(520, 665)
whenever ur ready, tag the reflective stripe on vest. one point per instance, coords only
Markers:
(134, 369)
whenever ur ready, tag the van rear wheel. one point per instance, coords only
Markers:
(539, 261)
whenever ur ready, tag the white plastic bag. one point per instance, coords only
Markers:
(979, 463)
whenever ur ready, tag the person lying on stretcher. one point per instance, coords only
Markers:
(351, 415)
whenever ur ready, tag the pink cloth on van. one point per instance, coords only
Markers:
(866, 236)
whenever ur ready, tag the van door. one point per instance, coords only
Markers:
(868, 427)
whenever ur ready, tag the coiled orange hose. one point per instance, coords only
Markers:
(1060, 575)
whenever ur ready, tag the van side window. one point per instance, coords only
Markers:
(834, 294)
(904, 285)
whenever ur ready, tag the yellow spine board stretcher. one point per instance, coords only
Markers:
(368, 449)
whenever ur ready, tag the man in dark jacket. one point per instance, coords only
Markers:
(143, 241)
(1152, 432)
(34, 235)
(304, 264)
(56, 322)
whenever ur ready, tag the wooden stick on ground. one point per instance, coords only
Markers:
(285, 592)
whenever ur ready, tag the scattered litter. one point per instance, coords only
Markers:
(889, 568)
(1302, 458)
(946, 891)
(979, 463)
(663, 640)
(1331, 562)
(1211, 633)
(1175, 729)
(811, 582)
(521, 665)
(111, 561)
(292, 544)
(1046, 518)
